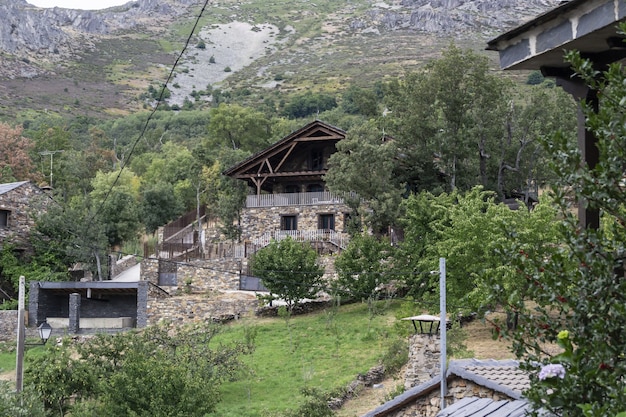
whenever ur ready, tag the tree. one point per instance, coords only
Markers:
(309, 104)
(163, 371)
(535, 114)
(457, 129)
(24, 404)
(362, 267)
(578, 287)
(471, 231)
(72, 233)
(362, 101)
(238, 128)
(289, 269)
(159, 205)
(15, 161)
(364, 164)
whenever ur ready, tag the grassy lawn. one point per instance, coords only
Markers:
(7, 356)
(325, 350)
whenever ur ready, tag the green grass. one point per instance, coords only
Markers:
(7, 358)
(325, 350)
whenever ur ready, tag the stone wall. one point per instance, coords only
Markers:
(256, 221)
(201, 307)
(195, 276)
(8, 325)
(121, 265)
(423, 366)
(22, 203)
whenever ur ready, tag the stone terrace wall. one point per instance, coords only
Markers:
(8, 325)
(197, 276)
(201, 307)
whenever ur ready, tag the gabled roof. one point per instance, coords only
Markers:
(5, 188)
(316, 130)
(501, 376)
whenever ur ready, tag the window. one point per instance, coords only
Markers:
(317, 160)
(289, 223)
(314, 188)
(326, 222)
(4, 218)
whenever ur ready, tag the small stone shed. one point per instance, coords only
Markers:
(20, 202)
(92, 304)
(497, 383)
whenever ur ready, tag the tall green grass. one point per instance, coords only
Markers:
(324, 350)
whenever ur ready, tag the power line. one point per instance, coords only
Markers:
(154, 110)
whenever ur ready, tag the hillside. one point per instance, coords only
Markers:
(98, 63)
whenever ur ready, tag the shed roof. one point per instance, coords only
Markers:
(588, 26)
(95, 287)
(5, 188)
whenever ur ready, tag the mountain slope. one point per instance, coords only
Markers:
(99, 62)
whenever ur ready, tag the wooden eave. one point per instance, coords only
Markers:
(269, 161)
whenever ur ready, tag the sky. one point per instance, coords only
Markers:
(78, 4)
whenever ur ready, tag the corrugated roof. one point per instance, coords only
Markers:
(5, 188)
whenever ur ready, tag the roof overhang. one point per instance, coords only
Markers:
(588, 26)
(90, 288)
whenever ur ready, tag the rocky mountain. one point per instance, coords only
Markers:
(116, 53)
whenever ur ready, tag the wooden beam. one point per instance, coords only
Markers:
(282, 161)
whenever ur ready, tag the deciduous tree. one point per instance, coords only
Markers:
(15, 161)
(289, 269)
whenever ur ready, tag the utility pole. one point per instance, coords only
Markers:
(443, 323)
(51, 153)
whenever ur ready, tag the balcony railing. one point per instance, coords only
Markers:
(338, 239)
(293, 199)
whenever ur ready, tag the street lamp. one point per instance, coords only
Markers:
(45, 330)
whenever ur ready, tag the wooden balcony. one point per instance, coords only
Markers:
(293, 199)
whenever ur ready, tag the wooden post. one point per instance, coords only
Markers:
(19, 357)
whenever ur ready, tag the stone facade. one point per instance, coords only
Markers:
(424, 359)
(256, 221)
(18, 206)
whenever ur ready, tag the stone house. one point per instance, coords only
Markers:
(489, 388)
(288, 196)
(20, 202)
